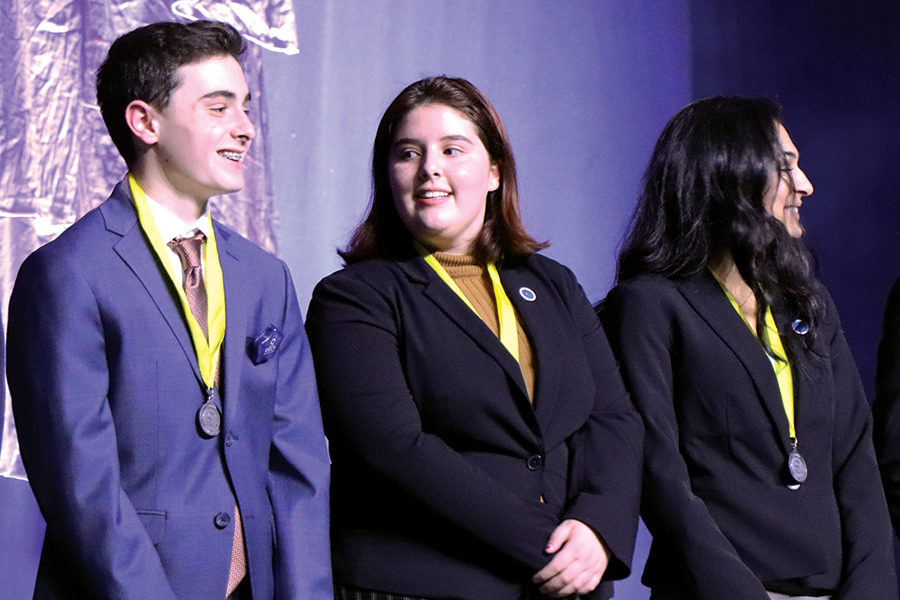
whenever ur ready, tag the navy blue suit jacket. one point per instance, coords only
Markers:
(105, 390)
(441, 461)
(716, 448)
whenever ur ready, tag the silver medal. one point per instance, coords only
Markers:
(797, 467)
(209, 419)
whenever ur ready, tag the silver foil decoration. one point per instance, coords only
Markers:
(268, 24)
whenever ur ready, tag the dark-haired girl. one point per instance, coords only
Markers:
(482, 440)
(760, 479)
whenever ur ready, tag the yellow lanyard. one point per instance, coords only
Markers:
(207, 351)
(782, 370)
(780, 363)
(506, 314)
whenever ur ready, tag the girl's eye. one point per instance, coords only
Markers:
(453, 151)
(786, 167)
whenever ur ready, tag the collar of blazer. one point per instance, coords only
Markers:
(705, 296)
(120, 218)
(540, 318)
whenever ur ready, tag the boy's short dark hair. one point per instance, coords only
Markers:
(142, 63)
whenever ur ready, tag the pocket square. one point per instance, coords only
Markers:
(265, 345)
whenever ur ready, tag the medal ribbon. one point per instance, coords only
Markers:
(506, 314)
(207, 351)
(780, 363)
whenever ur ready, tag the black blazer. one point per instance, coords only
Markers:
(440, 461)
(886, 407)
(715, 497)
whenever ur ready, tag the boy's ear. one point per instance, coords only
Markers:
(141, 119)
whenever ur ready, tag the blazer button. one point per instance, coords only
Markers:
(534, 462)
(222, 520)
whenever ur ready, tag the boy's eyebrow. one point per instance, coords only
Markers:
(224, 94)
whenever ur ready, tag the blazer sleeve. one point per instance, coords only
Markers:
(299, 468)
(868, 541)
(886, 407)
(642, 332)
(58, 379)
(607, 453)
(369, 409)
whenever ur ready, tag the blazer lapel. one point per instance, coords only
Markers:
(538, 321)
(134, 249)
(439, 293)
(236, 311)
(705, 295)
(803, 370)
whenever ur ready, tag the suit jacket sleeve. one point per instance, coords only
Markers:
(886, 408)
(868, 547)
(298, 468)
(57, 362)
(368, 407)
(640, 329)
(607, 454)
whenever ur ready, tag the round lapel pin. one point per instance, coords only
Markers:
(527, 294)
(800, 327)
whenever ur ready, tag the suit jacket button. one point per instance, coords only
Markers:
(222, 520)
(534, 462)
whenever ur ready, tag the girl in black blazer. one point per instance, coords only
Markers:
(482, 440)
(760, 479)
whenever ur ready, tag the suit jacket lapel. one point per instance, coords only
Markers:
(439, 293)
(803, 370)
(134, 249)
(538, 321)
(236, 311)
(705, 295)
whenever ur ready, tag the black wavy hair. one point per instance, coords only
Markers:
(703, 194)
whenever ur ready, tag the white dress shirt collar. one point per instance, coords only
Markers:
(171, 226)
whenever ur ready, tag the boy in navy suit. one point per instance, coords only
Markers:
(160, 375)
